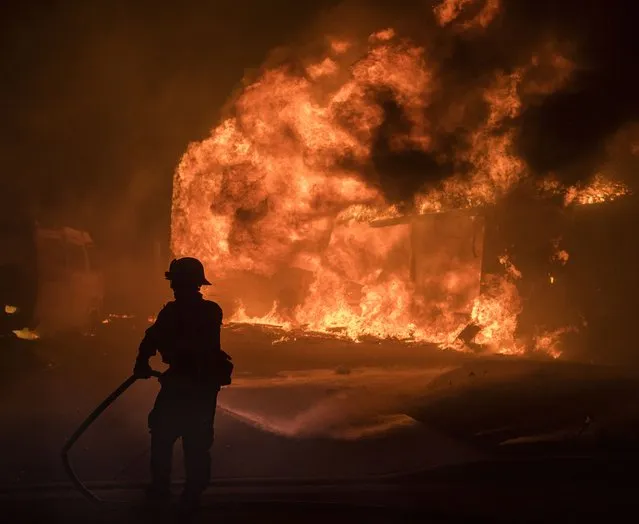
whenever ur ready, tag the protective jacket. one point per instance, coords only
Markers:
(187, 336)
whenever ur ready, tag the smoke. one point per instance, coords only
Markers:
(100, 100)
(553, 65)
(98, 93)
(103, 98)
(582, 60)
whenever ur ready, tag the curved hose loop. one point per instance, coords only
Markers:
(86, 492)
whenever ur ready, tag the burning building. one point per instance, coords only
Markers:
(357, 191)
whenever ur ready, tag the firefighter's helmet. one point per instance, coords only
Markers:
(187, 270)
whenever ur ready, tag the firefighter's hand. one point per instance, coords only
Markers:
(142, 370)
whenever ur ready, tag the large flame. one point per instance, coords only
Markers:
(598, 190)
(283, 191)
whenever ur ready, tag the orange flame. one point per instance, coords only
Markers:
(276, 192)
(560, 255)
(549, 341)
(26, 334)
(450, 10)
(599, 190)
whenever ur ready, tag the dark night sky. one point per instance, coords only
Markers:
(101, 98)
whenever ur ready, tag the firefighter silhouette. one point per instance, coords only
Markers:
(187, 336)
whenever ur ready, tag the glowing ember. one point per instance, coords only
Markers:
(562, 256)
(559, 255)
(10, 310)
(116, 316)
(276, 203)
(600, 190)
(450, 10)
(505, 261)
(26, 334)
(549, 342)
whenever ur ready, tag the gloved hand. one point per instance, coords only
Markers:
(142, 369)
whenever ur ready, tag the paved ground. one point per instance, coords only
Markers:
(306, 408)
(313, 409)
(310, 424)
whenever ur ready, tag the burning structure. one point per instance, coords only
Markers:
(350, 191)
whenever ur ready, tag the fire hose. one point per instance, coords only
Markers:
(86, 492)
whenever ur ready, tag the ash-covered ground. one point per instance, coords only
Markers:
(311, 407)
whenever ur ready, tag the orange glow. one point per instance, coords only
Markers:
(339, 46)
(505, 261)
(549, 341)
(325, 68)
(497, 310)
(450, 10)
(598, 191)
(10, 310)
(559, 255)
(116, 316)
(120, 315)
(26, 334)
(275, 200)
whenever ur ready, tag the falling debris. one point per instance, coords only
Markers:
(10, 310)
(469, 333)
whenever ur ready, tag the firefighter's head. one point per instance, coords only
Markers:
(186, 273)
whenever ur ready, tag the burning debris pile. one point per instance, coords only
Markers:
(303, 200)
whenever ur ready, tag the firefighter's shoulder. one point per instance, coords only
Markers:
(168, 310)
(213, 308)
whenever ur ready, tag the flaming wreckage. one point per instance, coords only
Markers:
(303, 200)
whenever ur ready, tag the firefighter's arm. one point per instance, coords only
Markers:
(147, 349)
(142, 368)
(217, 319)
(224, 364)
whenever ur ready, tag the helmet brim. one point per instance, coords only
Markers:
(169, 276)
